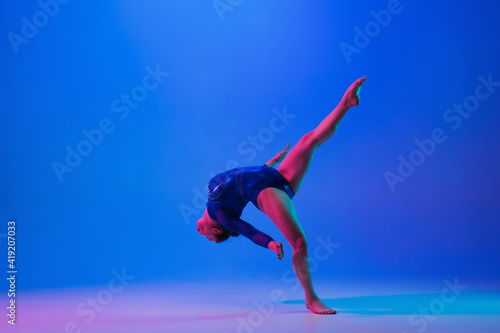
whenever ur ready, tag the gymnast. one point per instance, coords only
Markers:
(271, 191)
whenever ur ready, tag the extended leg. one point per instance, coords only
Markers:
(280, 209)
(297, 162)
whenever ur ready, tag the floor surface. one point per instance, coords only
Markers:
(447, 306)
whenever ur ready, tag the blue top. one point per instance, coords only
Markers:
(230, 191)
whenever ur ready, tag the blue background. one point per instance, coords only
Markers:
(134, 200)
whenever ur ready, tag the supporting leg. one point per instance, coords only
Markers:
(280, 209)
(296, 164)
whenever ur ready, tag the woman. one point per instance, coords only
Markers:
(271, 191)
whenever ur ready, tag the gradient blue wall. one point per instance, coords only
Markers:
(133, 201)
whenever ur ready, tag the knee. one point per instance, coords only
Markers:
(311, 139)
(300, 244)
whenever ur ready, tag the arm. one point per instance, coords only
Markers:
(236, 224)
(279, 157)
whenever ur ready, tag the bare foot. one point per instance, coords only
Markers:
(351, 96)
(318, 307)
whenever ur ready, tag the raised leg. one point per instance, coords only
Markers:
(296, 164)
(280, 209)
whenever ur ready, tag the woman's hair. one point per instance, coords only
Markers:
(224, 235)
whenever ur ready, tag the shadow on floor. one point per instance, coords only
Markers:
(467, 303)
